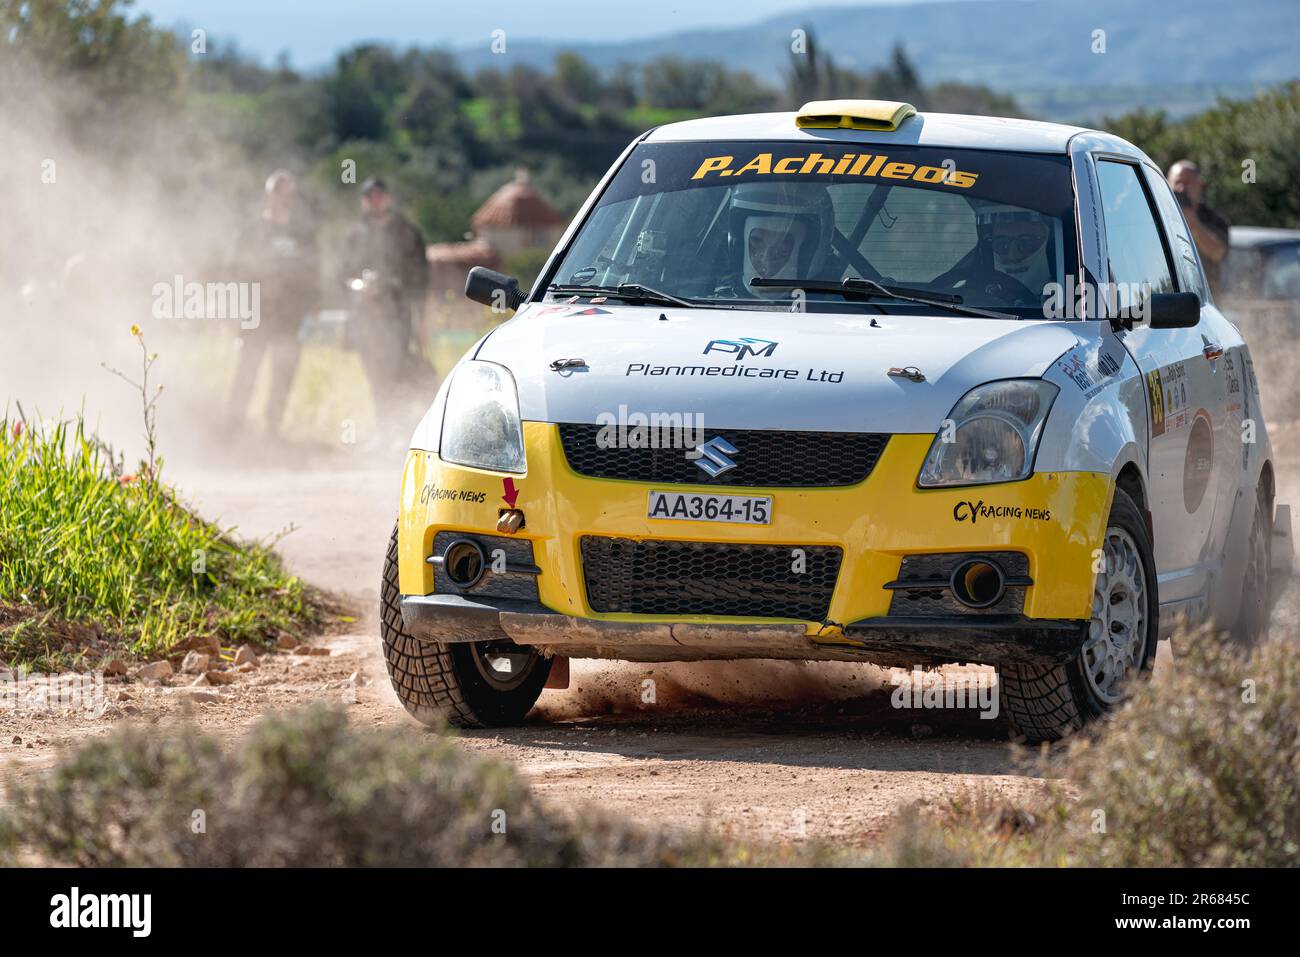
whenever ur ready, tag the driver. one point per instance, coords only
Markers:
(1019, 241)
(783, 231)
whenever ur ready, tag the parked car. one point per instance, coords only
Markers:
(1263, 264)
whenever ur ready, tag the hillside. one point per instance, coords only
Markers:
(1040, 50)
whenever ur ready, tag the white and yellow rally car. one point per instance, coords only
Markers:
(855, 383)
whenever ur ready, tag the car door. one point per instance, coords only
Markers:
(1184, 390)
(1230, 370)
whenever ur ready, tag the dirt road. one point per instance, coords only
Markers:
(761, 749)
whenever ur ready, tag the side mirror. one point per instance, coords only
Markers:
(1173, 310)
(494, 289)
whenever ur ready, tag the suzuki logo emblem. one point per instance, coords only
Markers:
(713, 460)
(741, 348)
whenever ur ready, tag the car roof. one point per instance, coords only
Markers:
(1261, 235)
(956, 130)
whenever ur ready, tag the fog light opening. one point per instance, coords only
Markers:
(463, 561)
(978, 584)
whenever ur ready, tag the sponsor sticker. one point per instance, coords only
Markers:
(877, 166)
(1157, 394)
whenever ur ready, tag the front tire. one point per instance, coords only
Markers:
(1050, 702)
(478, 684)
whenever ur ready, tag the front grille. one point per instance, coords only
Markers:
(763, 458)
(511, 583)
(925, 602)
(707, 578)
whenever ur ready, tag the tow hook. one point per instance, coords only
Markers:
(510, 520)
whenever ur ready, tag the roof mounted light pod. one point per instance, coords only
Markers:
(876, 115)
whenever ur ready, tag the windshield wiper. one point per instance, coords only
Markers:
(869, 288)
(630, 291)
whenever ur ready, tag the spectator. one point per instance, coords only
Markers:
(278, 251)
(1209, 229)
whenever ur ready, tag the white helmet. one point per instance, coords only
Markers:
(784, 231)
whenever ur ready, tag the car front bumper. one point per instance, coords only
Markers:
(1055, 520)
(882, 641)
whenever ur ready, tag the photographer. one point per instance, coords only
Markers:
(387, 272)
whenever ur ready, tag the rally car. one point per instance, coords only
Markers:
(854, 383)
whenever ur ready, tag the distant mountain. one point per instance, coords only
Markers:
(1191, 48)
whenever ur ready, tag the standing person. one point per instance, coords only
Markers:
(388, 272)
(1209, 229)
(277, 251)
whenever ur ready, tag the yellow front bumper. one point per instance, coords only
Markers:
(1057, 519)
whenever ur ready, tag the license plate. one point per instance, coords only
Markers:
(694, 507)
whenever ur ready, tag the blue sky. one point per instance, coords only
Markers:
(313, 31)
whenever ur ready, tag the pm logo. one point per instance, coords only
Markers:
(741, 348)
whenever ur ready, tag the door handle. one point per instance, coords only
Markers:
(1212, 350)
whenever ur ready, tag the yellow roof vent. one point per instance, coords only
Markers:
(853, 114)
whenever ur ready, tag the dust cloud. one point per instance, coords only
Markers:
(101, 205)
(619, 688)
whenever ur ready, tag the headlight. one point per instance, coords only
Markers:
(481, 425)
(991, 434)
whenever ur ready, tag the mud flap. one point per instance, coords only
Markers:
(558, 679)
(1283, 547)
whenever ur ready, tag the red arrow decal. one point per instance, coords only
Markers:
(512, 493)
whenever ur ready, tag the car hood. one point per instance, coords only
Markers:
(762, 369)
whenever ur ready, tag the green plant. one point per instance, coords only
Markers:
(79, 539)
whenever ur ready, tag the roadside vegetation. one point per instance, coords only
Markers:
(98, 561)
(1201, 769)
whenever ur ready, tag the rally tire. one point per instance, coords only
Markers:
(441, 683)
(1252, 620)
(1051, 702)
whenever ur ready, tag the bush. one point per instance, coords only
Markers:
(83, 540)
(1200, 769)
(306, 790)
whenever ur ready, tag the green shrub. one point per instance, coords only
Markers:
(82, 540)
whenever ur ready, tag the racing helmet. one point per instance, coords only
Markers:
(783, 231)
(1017, 237)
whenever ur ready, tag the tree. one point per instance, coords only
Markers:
(1248, 152)
(675, 83)
(576, 78)
(95, 42)
(365, 84)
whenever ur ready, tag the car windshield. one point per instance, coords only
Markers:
(701, 221)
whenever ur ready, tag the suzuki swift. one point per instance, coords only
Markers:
(854, 383)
